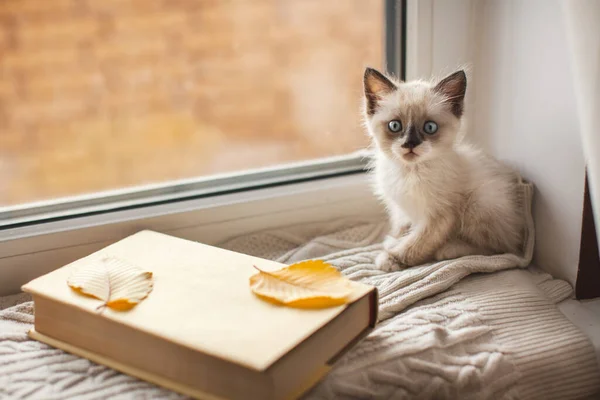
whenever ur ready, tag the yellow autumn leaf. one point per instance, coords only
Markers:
(309, 284)
(117, 283)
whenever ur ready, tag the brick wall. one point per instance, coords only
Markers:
(101, 94)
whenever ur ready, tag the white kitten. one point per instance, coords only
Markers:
(445, 198)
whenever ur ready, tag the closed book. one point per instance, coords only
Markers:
(201, 331)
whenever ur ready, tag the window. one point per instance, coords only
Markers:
(122, 94)
(202, 119)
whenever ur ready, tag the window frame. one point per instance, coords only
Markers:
(180, 190)
(36, 238)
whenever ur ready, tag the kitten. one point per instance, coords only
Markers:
(445, 198)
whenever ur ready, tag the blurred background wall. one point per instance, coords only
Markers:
(104, 94)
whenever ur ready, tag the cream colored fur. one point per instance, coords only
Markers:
(448, 199)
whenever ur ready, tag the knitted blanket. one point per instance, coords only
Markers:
(447, 330)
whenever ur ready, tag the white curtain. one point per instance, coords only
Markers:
(583, 31)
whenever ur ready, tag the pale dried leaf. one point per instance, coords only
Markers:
(117, 283)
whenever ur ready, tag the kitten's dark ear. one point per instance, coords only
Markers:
(454, 88)
(376, 85)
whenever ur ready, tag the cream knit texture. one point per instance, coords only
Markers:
(473, 328)
(400, 289)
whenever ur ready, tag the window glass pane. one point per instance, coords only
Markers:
(105, 94)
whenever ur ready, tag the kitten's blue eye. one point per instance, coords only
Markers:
(395, 126)
(430, 127)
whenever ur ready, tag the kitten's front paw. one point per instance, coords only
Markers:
(410, 258)
(389, 243)
(408, 255)
(386, 262)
